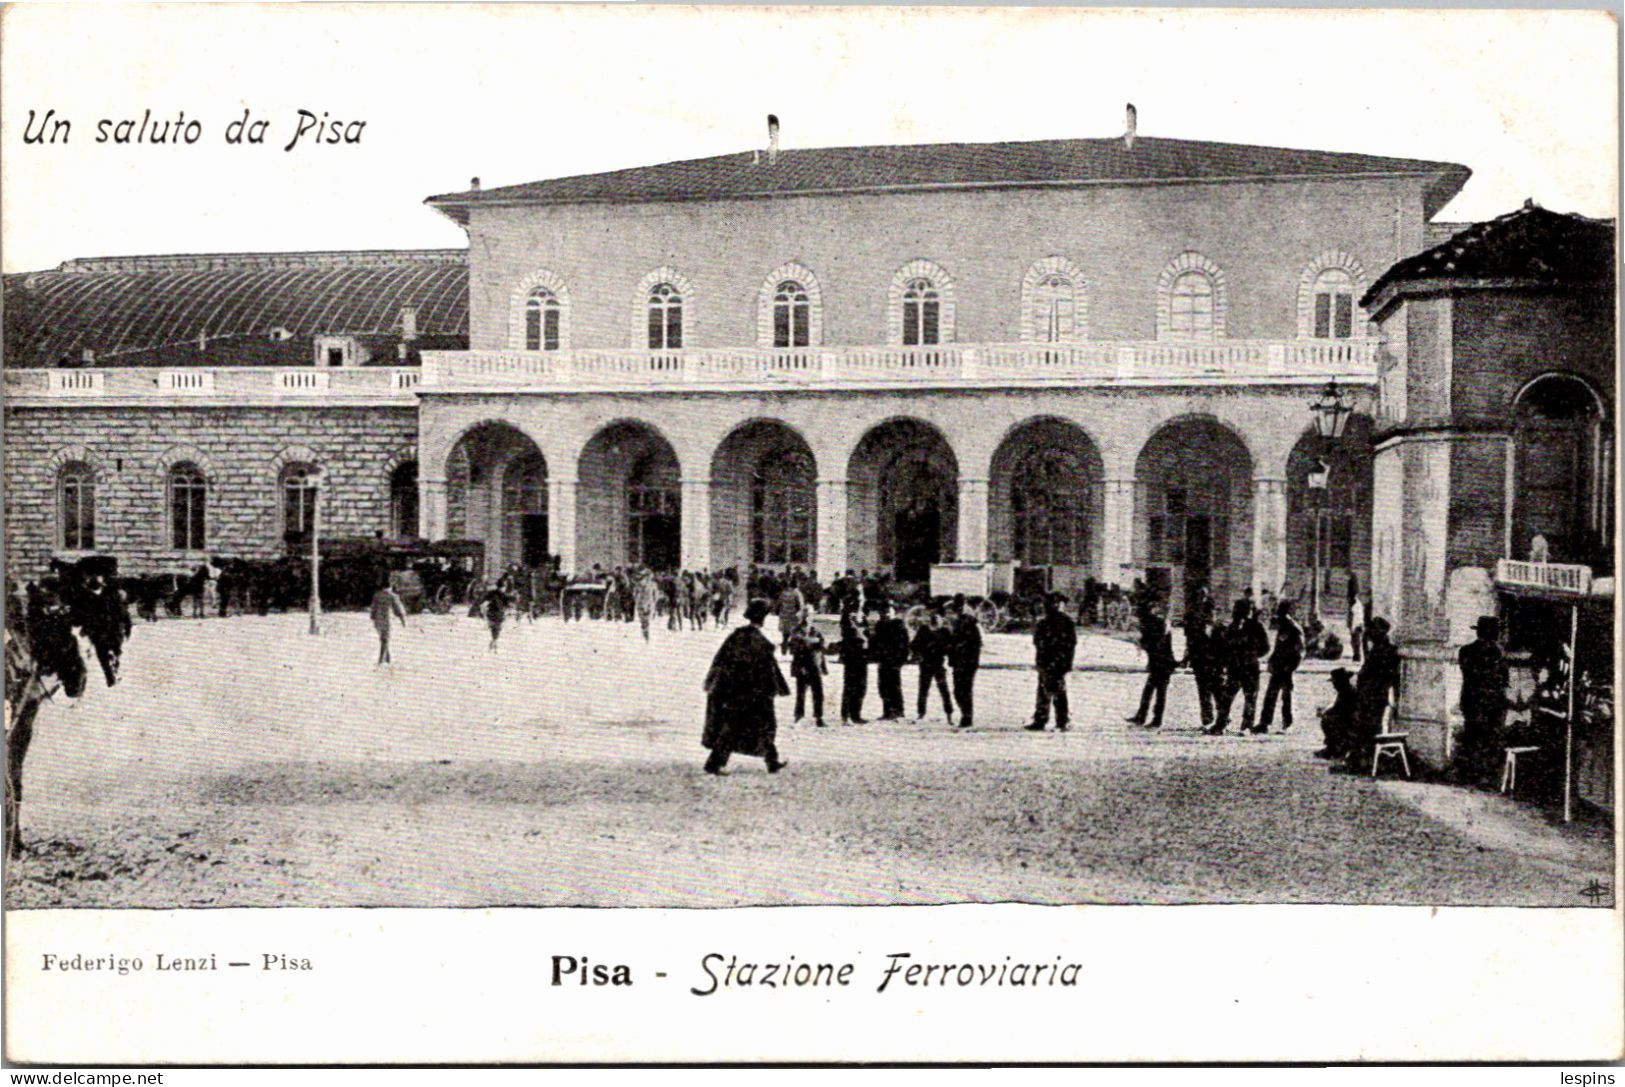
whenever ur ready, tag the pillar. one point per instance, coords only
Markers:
(561, 522)
(1117, 532)
(696, 526)
(432, 509)
(831, 515)
(1269, 534)
(972, 521)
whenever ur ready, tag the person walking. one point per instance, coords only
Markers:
(1055, 644)
(494, 606)
(808, 668)
(644, 596)
(1284, 661)
(854, 667)
(964, 658)
(931, 650)
(889, 648)
(1243, 642)
(386, 607)
(1158, 643)
(1357, 626)
(1483, 700)
(740, 688)
(791, 605)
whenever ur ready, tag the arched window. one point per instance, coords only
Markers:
(1049, 501)
(782, 499)
(665, 318)
(298, 502)
(1562, 472)
(1334, 305)
(792, 315)
(76, 499)
(188, 501)
(542, 320)
(922, 312)
(1054, 313)
(403, 499)
(1190, 307)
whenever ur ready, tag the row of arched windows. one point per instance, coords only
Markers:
(1192, 304)
(187, 495)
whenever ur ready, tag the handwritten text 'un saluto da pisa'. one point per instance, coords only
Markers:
(302, 129)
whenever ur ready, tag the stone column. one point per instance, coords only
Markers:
(831, 515)
(1269, 534)
(561, 522)
(1117, 532)
(696, 530)
(972, 521)
(432, 509)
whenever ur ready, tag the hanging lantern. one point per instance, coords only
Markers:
(1332, 412)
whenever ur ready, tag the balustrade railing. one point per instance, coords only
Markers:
(226, 382)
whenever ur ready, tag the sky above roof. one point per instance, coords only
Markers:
(516, 94)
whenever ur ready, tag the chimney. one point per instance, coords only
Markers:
(474, 184)
(88, 356)
(1133, 122)
(409, 323)
(772, 138)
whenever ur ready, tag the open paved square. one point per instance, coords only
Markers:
(242, 762)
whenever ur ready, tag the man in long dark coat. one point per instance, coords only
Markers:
(740, 688)
(1374, 689)
(1483, 700)
(1160, 666)
(964, 658)
(1055, 643)
(889, 648)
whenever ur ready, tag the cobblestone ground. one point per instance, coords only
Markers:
(242, 762)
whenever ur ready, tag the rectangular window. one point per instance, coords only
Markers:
(674, 327)
(1343, 325)
(78, 514)
(911, 324)
(1323, 316)
(657, 328)
(800, 319)
(335, 356)
(781, 326)
(533, 329)
(550, 337)
(929, 332)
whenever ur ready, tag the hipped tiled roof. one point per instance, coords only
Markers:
(1530, 246)
(948, 165)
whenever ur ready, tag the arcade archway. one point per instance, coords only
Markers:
(496, 491)
(629, 500)
(763, 498)
(902, 500)
(1045, 496)
(1194, 521)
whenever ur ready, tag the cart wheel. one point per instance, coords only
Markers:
(991, 616)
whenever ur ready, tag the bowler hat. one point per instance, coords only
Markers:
(756, 610)
(1488, 625)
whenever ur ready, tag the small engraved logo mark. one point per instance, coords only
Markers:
(1595, 891)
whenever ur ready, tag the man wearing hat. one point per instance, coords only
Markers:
(1483, 699)
(1283, 662)
(1055, 642)
(1375, 689)
(1243, 642)
(889, 648)
(740, 688)
(964, 658)
(1337, 720)
(1160, 664)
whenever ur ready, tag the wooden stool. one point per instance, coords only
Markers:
(1391, 744)
(1509, 771)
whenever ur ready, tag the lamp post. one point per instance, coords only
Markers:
(1331, 414)
(313, 484)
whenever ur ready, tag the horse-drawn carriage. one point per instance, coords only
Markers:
(433, 576)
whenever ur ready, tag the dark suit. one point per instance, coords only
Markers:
(1055, 643)
(964, 658)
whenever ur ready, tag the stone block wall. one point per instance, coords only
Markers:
(241, 452)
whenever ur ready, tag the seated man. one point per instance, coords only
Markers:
(1337, 720)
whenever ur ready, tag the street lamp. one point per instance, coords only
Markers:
(1331, 414)
(1331, 411)
(313, 482)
